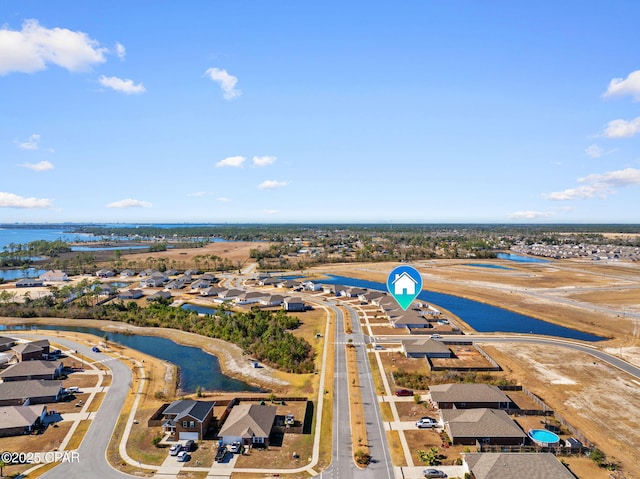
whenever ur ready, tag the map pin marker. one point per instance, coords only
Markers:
(404, 283)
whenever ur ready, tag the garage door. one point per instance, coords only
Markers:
(184, 436)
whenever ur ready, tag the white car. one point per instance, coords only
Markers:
(183, 456)
(426, 422)
(235, 448)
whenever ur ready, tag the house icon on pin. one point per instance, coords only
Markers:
(404, 285)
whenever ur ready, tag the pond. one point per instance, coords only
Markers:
(518, 258)
(481, 317)
(196, 367)
(13, 274)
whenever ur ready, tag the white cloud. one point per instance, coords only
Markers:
(264, 160)
(32, 143)
(598, 185)
(271, 212)
(528, 215)
(227, 82)
(627, 86)
(622, 128)
(41, 166)
(272, 184)
(121, 51)
(594, 151)
(9, 200)
(129, 203)
(224, 199)
(231, 161)
(34, 47)
(123, 86)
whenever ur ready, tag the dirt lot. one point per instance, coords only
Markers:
(464, 357)
(606, 410)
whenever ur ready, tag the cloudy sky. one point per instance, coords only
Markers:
(254, 111)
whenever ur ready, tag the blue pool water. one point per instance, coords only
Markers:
(543, 436)
(482, 317)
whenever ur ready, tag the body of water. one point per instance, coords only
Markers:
(488, 265)
(24, 235)
(197, 368)
(521, 259)
(13, 274)
(199, 309)
(482, 317)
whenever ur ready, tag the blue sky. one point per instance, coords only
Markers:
(254, 111)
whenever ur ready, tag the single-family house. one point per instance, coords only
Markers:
(248, 297)
(409, 319)
(289, 284)
(18, 420)
(270, 281)
(28, 283)
(200, 284)
(156, 280)
(248, 424)
(293, 304)
(515, 465)
(272, 300)
(188, 419)
(127, 273)
(130, 294)
(192, 272)
(209, 277)
(104, 290)
(54, 276)
(211, 291)
(160, 296)
(425, 348)
(486, 426)
(469, 396)
(105, 273)
(229, 294)
(311, 286)
(369, 296)
(37, 369)
(351, 291)
(6, 343)
(177, 283)
(33, 391)
(32, 350)
(329, 288)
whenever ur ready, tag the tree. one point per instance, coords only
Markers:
(2, 466)
(199, 391)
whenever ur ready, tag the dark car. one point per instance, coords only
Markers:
(95, 349)
(222, 452)
(433, 473)
(404, 392)
(189, 445)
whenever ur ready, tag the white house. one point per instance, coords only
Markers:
(404, 284)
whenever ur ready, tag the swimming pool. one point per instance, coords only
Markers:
(543, 438)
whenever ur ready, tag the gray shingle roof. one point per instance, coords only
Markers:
(19, 416)
(471, 393)
(425, 346)
(189, 407)
(516, 466)
(480, 423)
(30, 368)
(34, 388)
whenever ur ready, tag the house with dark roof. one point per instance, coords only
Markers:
(6, 343)
(425, 348)
(293, 304)
(130, 294)
(160, 295)
(105, 273)
(410, 319)
(211, 291)
(18, 420)
(469, 396)
(28, 283)
(248, 424)
(34, 391)
(515, 466)
(188, 419)
(486, 426)
(37, 369)
(32, 350)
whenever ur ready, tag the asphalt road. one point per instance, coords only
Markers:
(92, 451)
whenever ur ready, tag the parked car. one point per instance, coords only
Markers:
(426, 422)
(404, 392)
(95, 349)
(183, 456)
(436, 336)
(433, 473)
(289, 420)
(378, 347)
(175, 449)
(221, 453)
(236, 447)
(189, 445)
